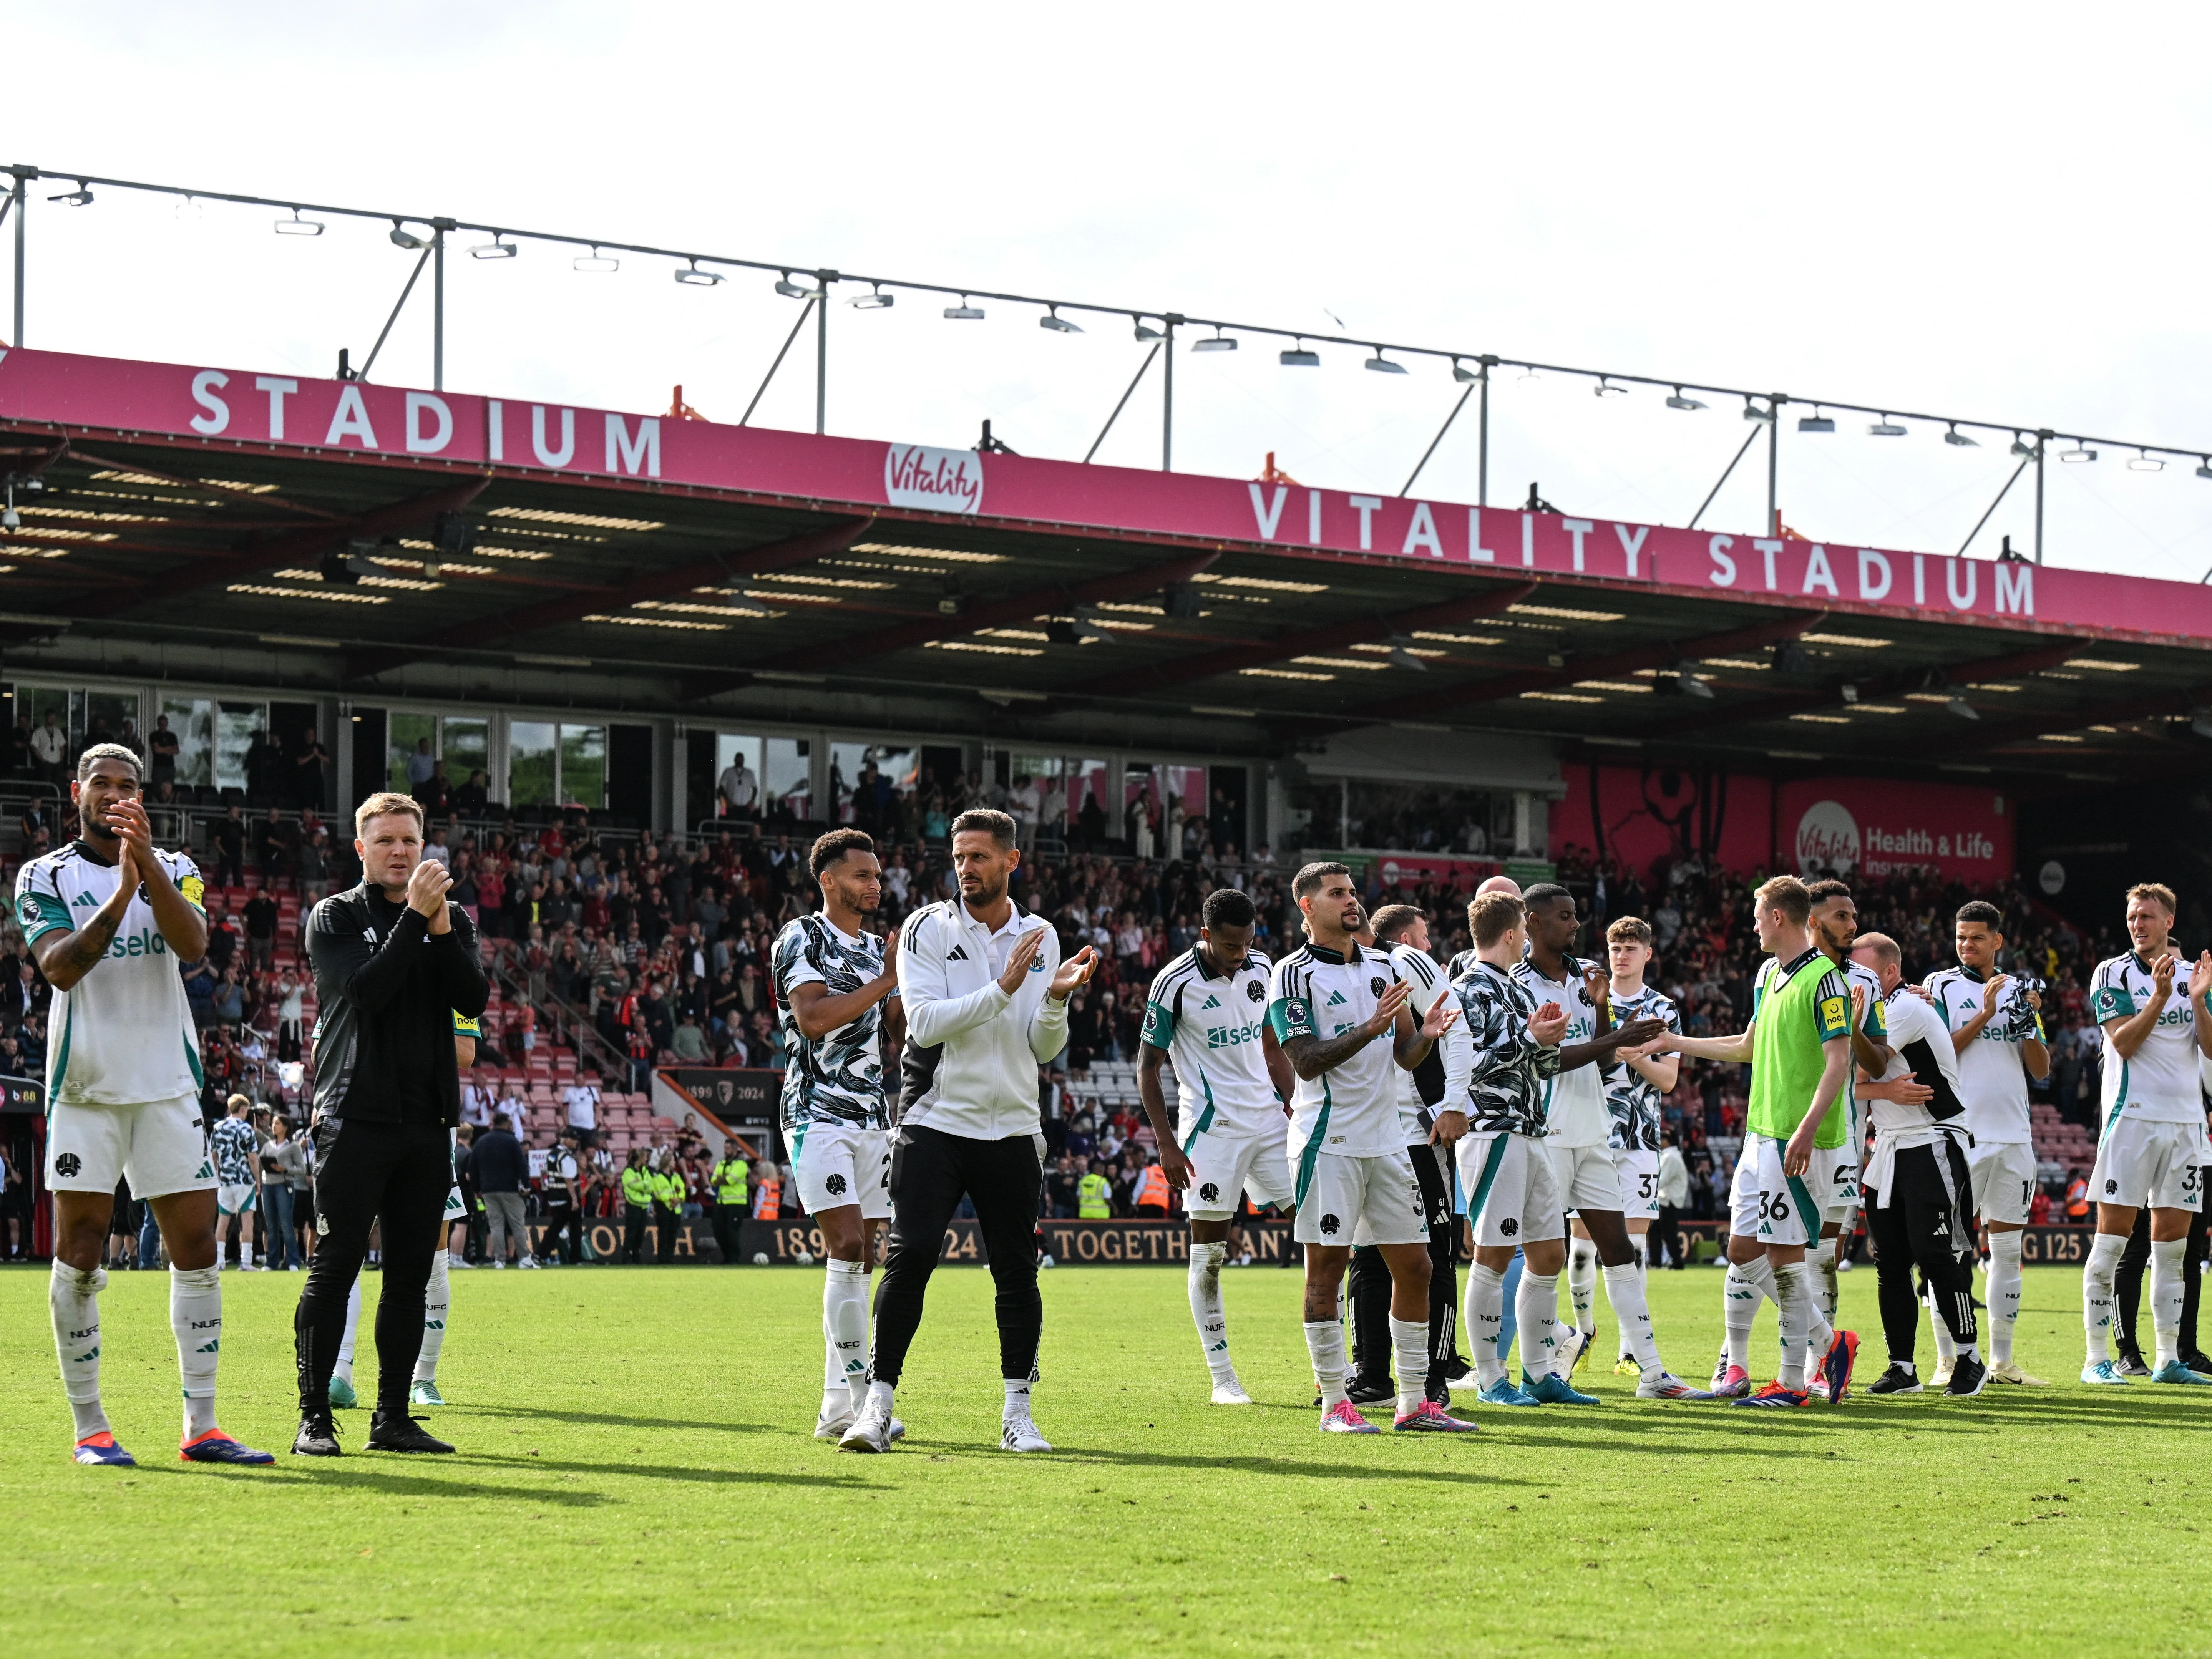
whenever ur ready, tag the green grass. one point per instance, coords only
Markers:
(637, 1476)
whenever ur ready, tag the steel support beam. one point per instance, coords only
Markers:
(995, 613)
(1659, 655)
(1233, 659)
(206, 569)
(1806, 699)
(493, 633)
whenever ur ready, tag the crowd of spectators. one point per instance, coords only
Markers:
(638, 950)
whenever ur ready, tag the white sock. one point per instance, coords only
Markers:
(74, 1299)
(879, 1393)
(1409, 1341)
(1325, 1345)
(1624, 1288)
(196, 1318)
(2166, 1290)
(1485, 1320)
(437, 1307)
(1795, 1284)
(2003, 1293)
(2097, 1293)
(1536, 1309)
(1206, 1309)
(1745, 1285)
(1637, 1241)
(344, 1366)
(1017, 1397)
(1830, 1290)
(845, 1334)
(1581, 1283)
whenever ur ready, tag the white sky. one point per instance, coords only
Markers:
(1991, 212)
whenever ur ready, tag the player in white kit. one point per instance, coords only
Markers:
(1578, 1125)
(1206, 1012)
(108, 918)
(1328, 1002)
(1996, 1032)
(2152, 1149)
(836, 985)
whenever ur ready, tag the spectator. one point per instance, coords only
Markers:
(497, 1161)
(260, 919)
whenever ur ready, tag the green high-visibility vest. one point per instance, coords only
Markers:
(730, 1176)
(637, 1188)
(1093, 1201)
(668, 1187)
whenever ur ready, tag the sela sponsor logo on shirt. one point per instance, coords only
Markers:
(940, 480)
(1830, 837)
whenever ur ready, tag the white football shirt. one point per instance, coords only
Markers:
(1210, 1029)
(122, 1035)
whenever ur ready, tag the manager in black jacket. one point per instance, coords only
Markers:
(394, 963)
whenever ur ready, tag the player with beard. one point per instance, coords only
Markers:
(1329, 1001)
(1207, 1012)
(107, 918)
(836, 986)
(1835, 927)
(1996, 1032)
(986, 999)
(1577, 1123)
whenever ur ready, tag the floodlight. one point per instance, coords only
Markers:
(1816, 421)
(1220, 342)
(81, 196)
(964, 312)
(1145, 331)
(1463, 374)
(1693, 686)
(1959, 439)
(494, 249)
(1885, 428)
(402, 237)
(295, 226)
(791, 290)
(874, 300)
(1678, 401)
(2021, 447)
(1606, 388)
(1302, 356)
(1962, 708)
(2146, 462)
(1752, 411)
(595, 261)
(1058, 324)
(2080, 453)
(1401, 654)
(1382, 365)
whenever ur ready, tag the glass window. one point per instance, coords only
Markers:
(235, 727)
(789, 776)
(530, 759)
(193, 722)
(112, 708)
(466, 746)
(584, 766)
(1087, 780)
(874, 784)
(412, 739)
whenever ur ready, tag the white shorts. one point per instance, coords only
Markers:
(1224, 1166)
(836, 1163)
(1842, 1195)
(2139, 1163)
(232, 1197)
(1379, 1198)
(1585, 1175)
(2004, 1181)
(1513, 1188)
(1778, 1209)
(161, 1147)
(1639, 1182)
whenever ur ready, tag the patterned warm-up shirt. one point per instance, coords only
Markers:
(839, 1075)
(233, 1141)
(1631, 1097)
(1505, 1090)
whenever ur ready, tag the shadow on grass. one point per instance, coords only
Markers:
(616, 1420)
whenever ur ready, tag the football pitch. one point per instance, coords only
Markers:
(636, 1475)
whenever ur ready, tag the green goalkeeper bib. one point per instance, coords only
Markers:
(1798, 1006)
